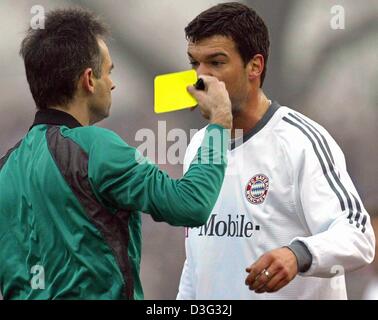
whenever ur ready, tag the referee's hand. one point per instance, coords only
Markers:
(272, 271)
(214, 101)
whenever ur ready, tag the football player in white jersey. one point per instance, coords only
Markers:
(288, 222)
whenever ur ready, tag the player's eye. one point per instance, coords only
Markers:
(216, 63)
(193, 64)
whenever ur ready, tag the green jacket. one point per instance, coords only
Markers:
(70, 203)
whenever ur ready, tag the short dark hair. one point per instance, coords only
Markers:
(237, 21)
(57, 55)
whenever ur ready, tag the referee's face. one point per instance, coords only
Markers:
(100, 102)
(218, 56)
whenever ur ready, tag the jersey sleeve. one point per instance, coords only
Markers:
(122, 178)
(186, 289)
(342, 238)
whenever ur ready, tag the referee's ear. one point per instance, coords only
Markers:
(87, 80)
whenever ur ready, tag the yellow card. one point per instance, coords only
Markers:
(170, 91)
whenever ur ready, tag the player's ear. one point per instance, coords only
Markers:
(255, 67)
(87, 80)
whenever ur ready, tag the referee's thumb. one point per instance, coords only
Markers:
(197, 94)
(191, 90)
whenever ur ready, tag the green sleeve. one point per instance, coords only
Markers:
(122, 178)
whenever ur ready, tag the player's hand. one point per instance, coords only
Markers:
(214, 101)
(272, 271)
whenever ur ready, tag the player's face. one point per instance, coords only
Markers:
(218, 56)
(101, 101)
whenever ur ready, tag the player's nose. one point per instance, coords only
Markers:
(203, 70)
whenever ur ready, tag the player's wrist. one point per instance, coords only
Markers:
(302, 254)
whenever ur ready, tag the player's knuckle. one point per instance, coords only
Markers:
(268, 287)
(269, 256)
(280, 268)
(270, 290)
(277, 265)
(253, 271)
(285, 273)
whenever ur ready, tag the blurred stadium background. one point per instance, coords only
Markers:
(329, 75)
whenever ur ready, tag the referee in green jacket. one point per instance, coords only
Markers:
(71, 193)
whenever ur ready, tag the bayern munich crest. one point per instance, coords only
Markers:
(257, 189)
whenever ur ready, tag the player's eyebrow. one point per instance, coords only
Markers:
(112, 67)
(211, 56)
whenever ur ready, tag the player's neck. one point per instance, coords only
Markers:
(250, 114)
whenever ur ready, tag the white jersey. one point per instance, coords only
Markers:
(287, 181)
